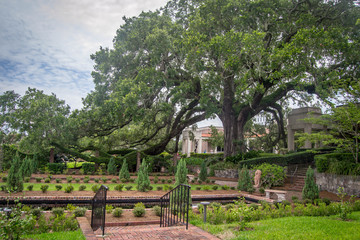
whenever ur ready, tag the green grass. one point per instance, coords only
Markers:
(89, 185)
(304, 228)
(73, 235)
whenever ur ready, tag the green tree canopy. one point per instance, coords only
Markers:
(171, 68)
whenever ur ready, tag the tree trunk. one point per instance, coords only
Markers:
(138, 161)
(52, 157)
(175, 157)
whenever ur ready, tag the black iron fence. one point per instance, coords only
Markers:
(175, 206)
(99, 209)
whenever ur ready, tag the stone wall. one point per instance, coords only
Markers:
(226, 173)
(331, 183)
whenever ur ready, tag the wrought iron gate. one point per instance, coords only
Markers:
(98, 209)
(175, 206)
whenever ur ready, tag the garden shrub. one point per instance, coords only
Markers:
(44, 188)
(128, 188)
(169, 180)
(163, 181)
(58, 180)
(3, 188)
(114, 180)
(192, 161)
(4, 178)
(242, 156)
(143, 181)
(79, 212)
(244, 181)
(117, 212)
(95, 188)
(30, 187)
(15, 178)
(109, 208)
(56, 167)
(58, 211)
(124, 171)
(310, 190)
(139, 210)
(157, 210)
(119, 187)
(225, 187)
(38, 179)
(104, 179)
(69, 179)
(77, 180)
(206, 188)
(198, 188)
(88, 167)
(159, 188)
(58, 187)
(206, 155)
(47, 180)
(26, 167)
(203, 172)
(224, 165)
(271, 175)
(36, 212)
(97, 180)
(112, 168)
(166, 187)
(82, 187)
(69, 189)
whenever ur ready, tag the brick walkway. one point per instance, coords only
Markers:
(155, 232)
(144, 232)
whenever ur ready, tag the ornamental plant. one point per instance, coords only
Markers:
(112, 169)
(310, 190)
(203, 172)
(181, 173)
(143, 181)
(244, 182)
(124, 171)
(15, 179)
(272, 175)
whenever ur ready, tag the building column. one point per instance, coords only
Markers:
(189, 147)
(291, 145)
(307, 130)
(200, 145)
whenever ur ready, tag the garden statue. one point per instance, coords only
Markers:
(257, 178)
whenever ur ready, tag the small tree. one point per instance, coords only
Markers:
(34, 163)
(112, 167)
(26, 167)
(15, 178)
(244, 182)
(310, 190)
(181, 173)
(124, 171)
(203, 172)
(143, 181)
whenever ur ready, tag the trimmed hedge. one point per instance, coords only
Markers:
(337, 163)
(56, 167)
(88, 168)
(282, 160)
(206, 155)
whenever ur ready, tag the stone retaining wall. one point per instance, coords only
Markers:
(226, 173)
(331, 183)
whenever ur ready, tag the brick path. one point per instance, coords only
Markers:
(155, 232)
(144, 232)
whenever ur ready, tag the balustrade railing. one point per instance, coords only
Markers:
(175, 206)
(99, 209)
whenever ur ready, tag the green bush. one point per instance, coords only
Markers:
(128, 188)
(244, 181)
(272, 175)
(30, 187)
(82, 187)
(224, 165)
(15, 179)
(225, 187)
(139, 210)
(44, 188)
(95, 188)
(97, 180)
(80, 212)
(322, 163)
(143, 181)
(159, 188)
(58, 180)
(157, 210)
(112, 168)
(124, 171)
(4, 178)
(119, 187)
(242, 156)
(206, 155)
(88, 168)
(36, 212)
(203, 172)
(69, 179)
(117, 212)
(282, 160)
(56, 167)
(58, 187)
(192, 161)
(57, 211)
(47, 180)
(310, 190)
(69, 189)
(38, 179)
(77, 180)
(215, 187)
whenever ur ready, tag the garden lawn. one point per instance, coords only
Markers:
(70, 235)
(296, 228)
(110, 185)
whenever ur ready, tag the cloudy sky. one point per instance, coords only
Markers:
(46, 44)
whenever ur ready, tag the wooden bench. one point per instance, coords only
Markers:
(279, 193)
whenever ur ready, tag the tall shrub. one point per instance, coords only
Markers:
(203, 172)
(181, 173)
(34, 163)
(124, 171)
(143, 181)
(15, 179)
(310, 190)
(112, 167)
(244, 182)
(26, 167)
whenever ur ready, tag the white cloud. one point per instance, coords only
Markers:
(47, 44)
